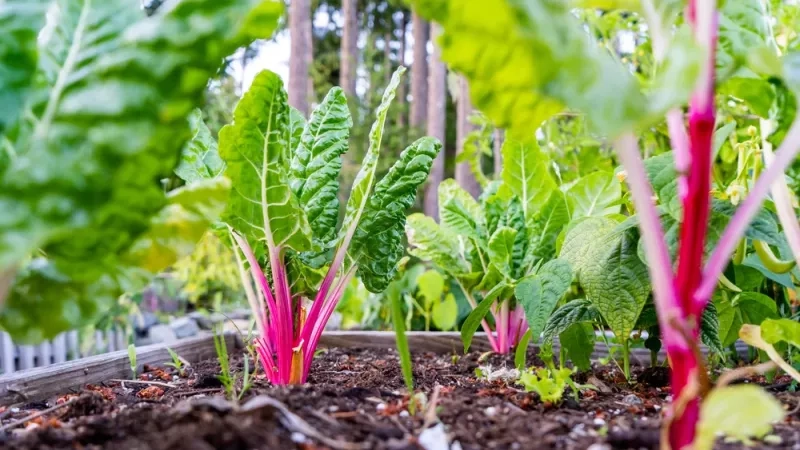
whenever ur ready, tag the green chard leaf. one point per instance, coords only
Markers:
(316, 164)
(458, 210)
(501, 249)
(745, 308)
(200, 157)
(743, 27)
(525, 175)
(445, 313)
(297, 124)
(738, 412)
(596, 194)
(20, 22)
(365, 179)
(262, 206)
(547, 224)
(430, 242)
(377, 244)
(85, 182)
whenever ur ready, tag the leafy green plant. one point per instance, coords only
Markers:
(90, 125)
(132, 360)
(177, 361)
(500, 249)
(227, 375)
(394, 294)
(284, 208)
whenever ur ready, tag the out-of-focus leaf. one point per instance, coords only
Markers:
(430, 285)
(781, 330)
(746, 308)
(739, 412)
(445, 313)
(597, 194)
(743, 27)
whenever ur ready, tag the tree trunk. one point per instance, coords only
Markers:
(349, 51)
(464, 176)
(403, 88)
(498, 152)
(387, 58)
(437, 122)
(419, 73)
(300, 57)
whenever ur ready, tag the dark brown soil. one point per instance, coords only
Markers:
(355, 399)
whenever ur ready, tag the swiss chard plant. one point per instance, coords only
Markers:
(95, 99)
(500, 248)
(283, 213)
(533, 60)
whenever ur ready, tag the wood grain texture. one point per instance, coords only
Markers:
(40, 383)
(450, 342)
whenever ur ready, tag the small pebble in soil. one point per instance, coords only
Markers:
(632, 399)
(599, 422)
(380, 407)
(298, 438)
(404, 413)
(598, 447)
(490, 411)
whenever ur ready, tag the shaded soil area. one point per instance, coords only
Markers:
(355, 399)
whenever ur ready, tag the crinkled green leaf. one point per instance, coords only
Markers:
(596, 194)
(458, 210)
(175, 230)
(378, 241)
(262, 205)
(501, 249)
(200, 157)
(20, 22)
(429, 242)
(316, 163)
(738, 412)
(525, 175)
(677, 76)
(709, 329)
(609, 270)
(297, 123)
(365, 179)
(539, 294)
(547, 224)
(575, 311)
(304, 279)
(578, 341)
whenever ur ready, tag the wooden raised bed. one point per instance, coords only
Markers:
(40, 383)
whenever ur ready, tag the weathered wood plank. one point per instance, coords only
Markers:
(450, 342)
(43, 382)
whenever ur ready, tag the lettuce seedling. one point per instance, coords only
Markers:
(283, 211)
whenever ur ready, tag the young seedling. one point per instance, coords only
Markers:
(177, 362)
(403, 350)
(132, 360)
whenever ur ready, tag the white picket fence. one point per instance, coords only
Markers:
(65, 347)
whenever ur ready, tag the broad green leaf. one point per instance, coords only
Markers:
(473, 321)
(86, 179)
(395, 297)
(756, 92)
(743, 27)
(429, 242)
(378, 241)
(176, 229)
(609, 270)
(530, 61)
(514, 218)
(316, 163)
(575, 311)
(677, 76)
(738, 412)
(721, 136)
(525, 175)
(547, 224)
(262, 205)
(304, 279)
(501, 249)
(20, 22)
(458, 210)
(781, 330)
(746, 308)
(200, 158)
(748, 278)
(578, 341)
(297, 123)
(784, 279)
(540, 293)
(365, 179)
(445, 313)
(597, 194)
(430, 285)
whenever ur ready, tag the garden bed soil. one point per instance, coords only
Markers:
(354, 399)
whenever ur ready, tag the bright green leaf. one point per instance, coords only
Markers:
(431, 287)
(540, 293)
(596, 194)
(738, 412)
(200, 157)
(525, 175)
(445, 313)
